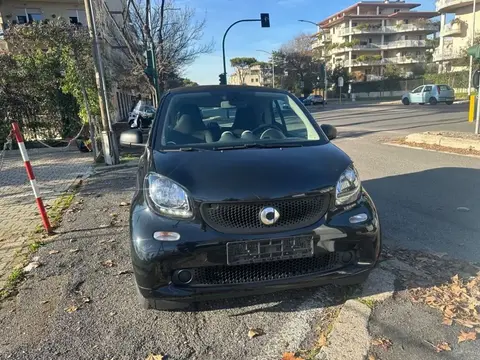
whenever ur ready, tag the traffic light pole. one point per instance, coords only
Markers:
(223, 44)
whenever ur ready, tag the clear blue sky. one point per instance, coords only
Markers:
(244, 38)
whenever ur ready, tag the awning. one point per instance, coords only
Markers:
(474, 51)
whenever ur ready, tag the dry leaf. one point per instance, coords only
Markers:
(108, 263)
(124, 203)
(44, 302)
(123, 272)
(86, 299)
(467, 336)
(156, 357)
(443, 346)
(383, 342)
(255, 332)
(71, 309)
(371, 357)
(447, 321)
(74, 250)
(290, 356)
(322, 341)
(51, 252)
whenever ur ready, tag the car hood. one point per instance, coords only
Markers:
(250, 174)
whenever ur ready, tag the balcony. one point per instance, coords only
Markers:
(455, 28)
(448, 6)
(375, 61)
(447, 54)
(425, 27)
(322, 41)
(404, 44)
(390, 45)
(405, 60)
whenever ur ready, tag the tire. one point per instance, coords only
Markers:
(432, 101)
(449, 102)
(405, 101)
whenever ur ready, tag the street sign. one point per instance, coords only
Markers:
(340, 81)
(265, 19)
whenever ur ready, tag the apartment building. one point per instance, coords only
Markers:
(368, 35)
(456, 34)
(254, 76)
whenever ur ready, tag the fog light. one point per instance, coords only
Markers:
(347, 257)
(355, 219)
(166, 236)
(184, 276)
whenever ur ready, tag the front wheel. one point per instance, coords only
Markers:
(449, 102)
(432, 101)
(405, 101)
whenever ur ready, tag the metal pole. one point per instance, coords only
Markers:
(472, 42)
(223, 44)
(477, 120)
(106, 134)
(273, 67)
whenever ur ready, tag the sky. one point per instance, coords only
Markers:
(245, 38)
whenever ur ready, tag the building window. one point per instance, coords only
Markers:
(420, 37)
(406, 37)
(73, 20)
(396, 10)
(253, 80)
(369, 40)
(256, 80)
(34, 17)
(22, 19)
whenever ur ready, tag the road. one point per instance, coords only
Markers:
(417, 193)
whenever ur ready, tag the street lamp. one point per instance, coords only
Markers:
(273, 67)
(325, 66)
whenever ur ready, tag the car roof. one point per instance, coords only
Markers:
(206, 88)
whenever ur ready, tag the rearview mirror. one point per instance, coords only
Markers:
(330, 131)
(132, 138)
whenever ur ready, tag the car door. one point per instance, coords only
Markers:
(427, 93)
(416, 95)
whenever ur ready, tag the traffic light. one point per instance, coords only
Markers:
(265, 19)
(149, 70)
(222, 79)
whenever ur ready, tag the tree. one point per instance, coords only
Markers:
(242, 65)
(176, 34)
(392, 72)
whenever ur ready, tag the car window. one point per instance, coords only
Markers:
(427, 89)
(417, 90)
(444, 87)
(234, 117)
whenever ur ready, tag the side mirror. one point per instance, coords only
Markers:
(329, 130)
(132, 138)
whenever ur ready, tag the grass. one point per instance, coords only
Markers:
(129, 156)
(368, 302)
(15, 277)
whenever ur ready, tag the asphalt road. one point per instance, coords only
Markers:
(417, 193)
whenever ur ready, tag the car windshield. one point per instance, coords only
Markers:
(223, 119)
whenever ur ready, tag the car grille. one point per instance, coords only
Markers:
(251, 273)
(241, 218)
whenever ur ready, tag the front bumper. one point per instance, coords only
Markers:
(156, 264)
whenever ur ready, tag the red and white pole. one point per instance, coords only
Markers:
(31, 177)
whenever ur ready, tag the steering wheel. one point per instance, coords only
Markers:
(260, 130)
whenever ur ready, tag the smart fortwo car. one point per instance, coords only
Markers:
(237, 195)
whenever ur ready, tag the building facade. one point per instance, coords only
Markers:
(369, 35)
(456, 34)
(254, 76)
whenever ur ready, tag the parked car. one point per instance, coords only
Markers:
(265, 203)
(313, 100)
(141, 116)
(431, 94)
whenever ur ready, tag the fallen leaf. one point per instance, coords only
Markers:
(31, 266)
(322, 341)
(86, 299)
(44, 302)
(156, 357)
(382, 342)
(124, 203)
(103, 226)
(123, 272)
(443, 346)
(114, 215)
(447, 321)
(113, 313)
(255, 332)
(467, 336)
(51, 252)
(74, 250)
(371, 357)
(71, 309)
(290, 356)
(111, 241)
(108, 263)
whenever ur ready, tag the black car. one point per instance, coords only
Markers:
(236, 197)
(313, 100)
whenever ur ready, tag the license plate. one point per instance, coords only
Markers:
(257, 251)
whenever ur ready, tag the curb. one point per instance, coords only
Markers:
(350, 338)
(445, 141)
(106, 168)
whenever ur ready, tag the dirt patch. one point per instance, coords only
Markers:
(435, 147)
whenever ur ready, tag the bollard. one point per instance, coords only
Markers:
(471, 109)
(31, 177)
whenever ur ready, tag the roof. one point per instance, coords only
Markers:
(205, 88)
(382, 4)
(397, 15)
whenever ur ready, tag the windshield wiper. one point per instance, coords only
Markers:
(256, 145)
(186, 148)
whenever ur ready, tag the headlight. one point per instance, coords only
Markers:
(348, 187)
(167, 197)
